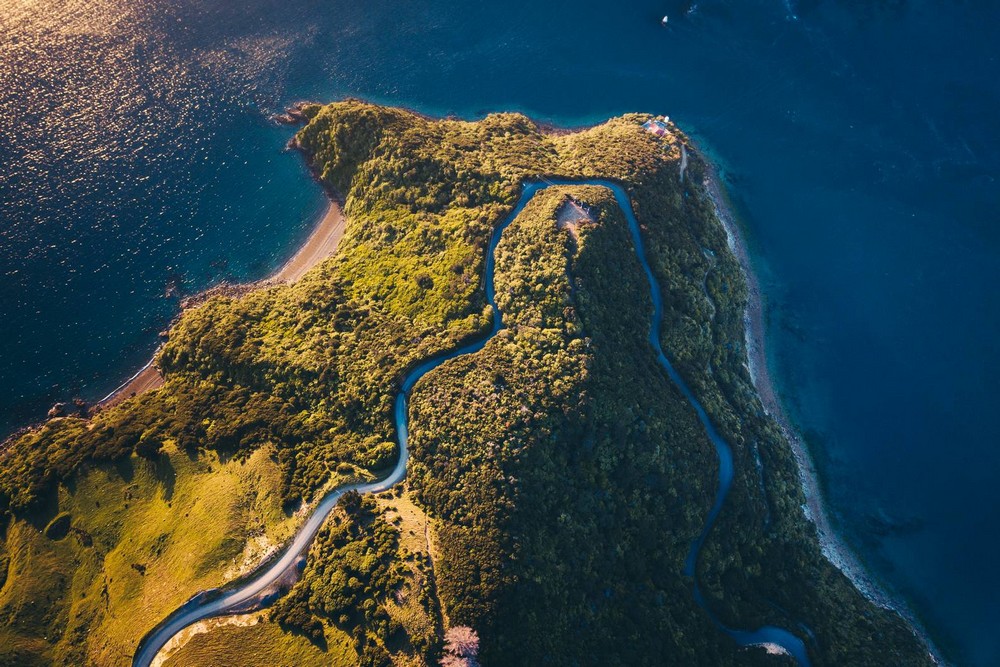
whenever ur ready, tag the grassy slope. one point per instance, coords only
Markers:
(403, 622)
(130, 544)
(568, 501)
(261, 643)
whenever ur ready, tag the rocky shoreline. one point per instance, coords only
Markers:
(832, 546)
(295, 114)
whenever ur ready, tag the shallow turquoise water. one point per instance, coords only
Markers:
(860, 140)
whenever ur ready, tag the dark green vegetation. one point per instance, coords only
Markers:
(566, 477)
(354, 567)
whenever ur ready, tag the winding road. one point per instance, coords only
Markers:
(208, 604)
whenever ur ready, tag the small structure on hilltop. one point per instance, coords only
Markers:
(657, 126)
(571, 214)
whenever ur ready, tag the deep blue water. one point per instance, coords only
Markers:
(860, 140)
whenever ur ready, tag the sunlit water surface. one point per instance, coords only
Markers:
(137, 165)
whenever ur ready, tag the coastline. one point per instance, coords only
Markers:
(148, 377)
(322, 242)
(251, 593)
(833, 547)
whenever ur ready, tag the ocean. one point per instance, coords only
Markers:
(859, 142)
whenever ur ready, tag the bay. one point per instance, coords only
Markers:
(859, 141)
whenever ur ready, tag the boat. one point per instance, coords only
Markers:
(665, 20)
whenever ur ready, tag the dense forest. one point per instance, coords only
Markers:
(557, 478)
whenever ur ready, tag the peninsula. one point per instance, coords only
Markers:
(510, 421)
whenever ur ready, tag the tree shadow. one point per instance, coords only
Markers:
(125, 469)
(165, 473)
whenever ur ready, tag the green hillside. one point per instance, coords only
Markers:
(557, 477)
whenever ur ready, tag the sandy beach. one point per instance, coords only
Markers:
(833, 547)
(147, 378)
(322, 243)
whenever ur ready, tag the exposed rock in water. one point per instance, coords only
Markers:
(77, 408)
(300, 112)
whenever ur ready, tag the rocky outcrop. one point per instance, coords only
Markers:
(76, 408)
